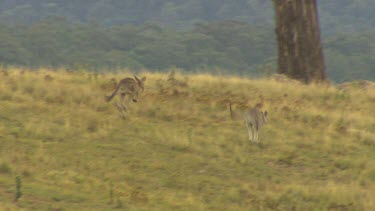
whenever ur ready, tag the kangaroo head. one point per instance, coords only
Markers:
(135, 94)
(141, 87)
(140, 82)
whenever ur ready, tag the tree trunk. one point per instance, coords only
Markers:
(300, 54)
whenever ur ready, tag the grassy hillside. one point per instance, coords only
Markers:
(178, 149)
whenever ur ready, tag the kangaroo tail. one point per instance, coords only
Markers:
(114, 93)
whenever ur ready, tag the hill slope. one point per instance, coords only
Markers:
(178, 149)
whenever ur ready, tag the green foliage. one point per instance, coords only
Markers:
(18, 189)
(55, 42)
(191, 35)
(173, 13)
(350, 56)
(336, 16)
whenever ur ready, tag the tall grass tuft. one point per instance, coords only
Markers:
(18, 189)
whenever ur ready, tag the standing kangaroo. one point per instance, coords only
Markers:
(254, 119)
(128, 86)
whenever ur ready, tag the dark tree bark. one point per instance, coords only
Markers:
(300, 54)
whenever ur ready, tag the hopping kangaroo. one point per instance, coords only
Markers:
(128, 86)
(254, 119)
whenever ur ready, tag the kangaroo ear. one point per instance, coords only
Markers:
(265, 113)
(136, 78)
(143, 79)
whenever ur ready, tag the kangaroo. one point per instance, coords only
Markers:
(254, 119)
(128, 86)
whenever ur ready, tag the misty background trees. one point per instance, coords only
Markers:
(234, 36)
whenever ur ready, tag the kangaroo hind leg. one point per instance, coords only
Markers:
(250, 131)
(122, 107)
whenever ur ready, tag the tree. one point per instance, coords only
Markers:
(300, 54)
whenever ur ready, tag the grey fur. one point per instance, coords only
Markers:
(254, 119)
(128, 87)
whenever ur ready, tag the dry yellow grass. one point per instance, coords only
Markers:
(178, 149)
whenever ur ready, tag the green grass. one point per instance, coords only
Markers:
(178, 149)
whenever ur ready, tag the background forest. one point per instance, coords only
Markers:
(213, 35)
